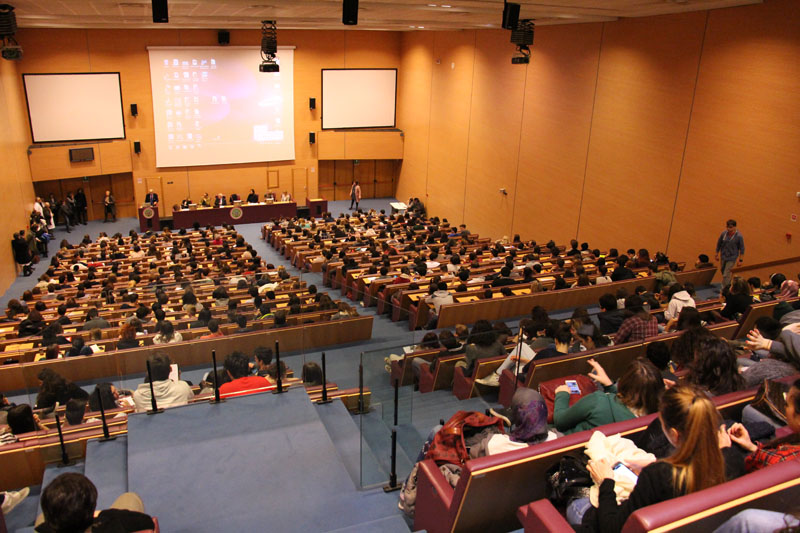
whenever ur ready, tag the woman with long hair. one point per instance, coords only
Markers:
(693, 425)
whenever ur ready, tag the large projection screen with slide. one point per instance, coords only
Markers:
(212, 106)
(358, 98)
(74, 107)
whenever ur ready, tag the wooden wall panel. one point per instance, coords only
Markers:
(115, 157)
(364, 173)
(373, 145)
(343, 175)
(326, 169)
(15, 177)
(365, 49)
(557, 115)
(52, 163)
(227, 179)
(451, 94)
(330, 145)
(413, 111)
(647, 74)
(385, 176)
(494, 135)
(744, 140)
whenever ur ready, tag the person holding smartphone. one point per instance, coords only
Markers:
(635, 394)
(693, 425)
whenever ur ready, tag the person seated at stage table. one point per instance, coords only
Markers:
(286, 197)
(220, 201)
(205, 201)
(69, 501)
(252, 198)
(237, 366)
(186, 203)
(269, 196)
(168, 393)
(233, 197)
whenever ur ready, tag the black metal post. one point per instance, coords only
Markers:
(216, 379)
(155, 410)
(279, 390)
(396, 398)
(519, 356)
(361, 386)
(324, 383)
(106, 435)
(64, 457)
(393, 486)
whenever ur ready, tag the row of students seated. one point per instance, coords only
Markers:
(693, 438)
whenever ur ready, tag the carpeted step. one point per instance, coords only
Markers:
(53, 471)
(390, 524)
(357, 456)
(107, 467)
(378, 436)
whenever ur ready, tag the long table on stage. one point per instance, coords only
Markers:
(243, 214)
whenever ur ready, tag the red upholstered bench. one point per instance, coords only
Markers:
(775, 488)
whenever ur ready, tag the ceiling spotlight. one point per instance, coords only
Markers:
(9, 46)
(269, 47)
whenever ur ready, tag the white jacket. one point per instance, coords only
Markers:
(679, 301)
(168, 394)
(438, 298)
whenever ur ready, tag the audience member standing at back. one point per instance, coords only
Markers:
(730, 250)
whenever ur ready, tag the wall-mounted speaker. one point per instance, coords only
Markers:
(312, 137)
(137, 147)
(312, 103)
(134, 110)
(350, 12)
(510, 16)
(224, 37)
(160, 11)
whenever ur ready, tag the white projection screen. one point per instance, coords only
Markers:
(358, 98)
(74, 107)
(212, 106)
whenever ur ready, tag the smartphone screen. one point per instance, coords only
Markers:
(573, 386)
(625, 472)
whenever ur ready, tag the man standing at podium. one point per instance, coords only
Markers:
(151, 198)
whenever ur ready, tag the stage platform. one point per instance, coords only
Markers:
(257, 463)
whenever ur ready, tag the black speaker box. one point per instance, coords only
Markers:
(312, 137)
(350, 12)
(312, 103)
(137, 147)
(224, 37)
(160, 11)
(134, 110)
(510, 16)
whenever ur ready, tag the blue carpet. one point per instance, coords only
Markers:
(106, 466)
(253, 463)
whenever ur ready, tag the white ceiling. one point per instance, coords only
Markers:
(327, 14)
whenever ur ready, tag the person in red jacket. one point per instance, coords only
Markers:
(237, 365)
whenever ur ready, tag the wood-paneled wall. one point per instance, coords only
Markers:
(15, 177)
(641, 132)
(377, 178)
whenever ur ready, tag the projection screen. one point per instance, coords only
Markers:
(74, 107)
(358, 98)
(212, 106)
